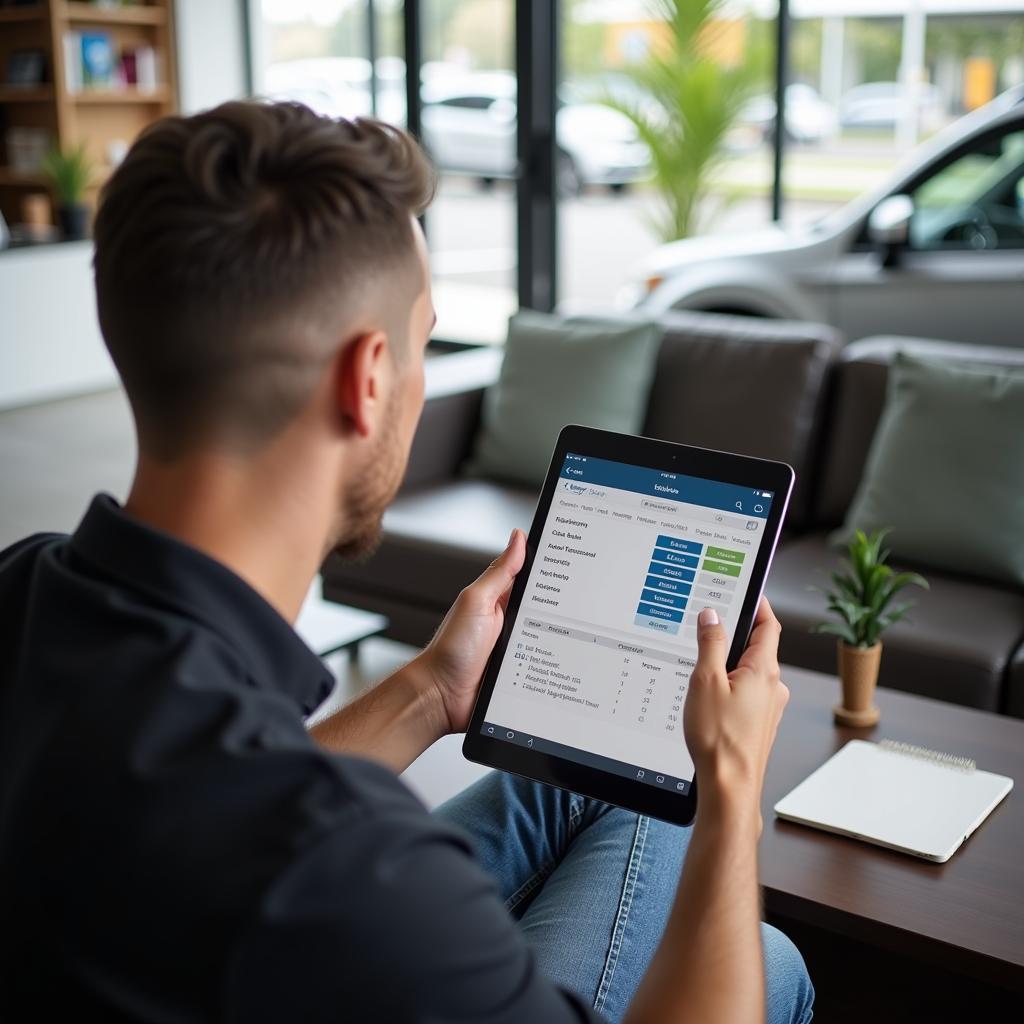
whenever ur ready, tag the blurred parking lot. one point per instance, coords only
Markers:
(604, 235)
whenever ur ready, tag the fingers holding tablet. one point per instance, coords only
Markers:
(731, 719)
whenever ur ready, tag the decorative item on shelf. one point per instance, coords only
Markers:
(861, 600)
(26, 149)
(117, 150)
(26, 68)
(36, 223)
(70, 172)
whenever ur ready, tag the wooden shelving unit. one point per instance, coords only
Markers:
(9, 177)
(28, 13)
(107, 96)
(102, 119)
(25, 94)
(137, 14)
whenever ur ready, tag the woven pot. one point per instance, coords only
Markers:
(858, 673)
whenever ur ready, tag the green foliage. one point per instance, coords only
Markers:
(878, 45)
(583, 43)
(688, 103)
(70, 172)
(864, 591)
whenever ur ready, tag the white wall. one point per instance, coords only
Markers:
(211, 52)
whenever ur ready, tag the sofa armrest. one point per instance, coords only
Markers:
(454, 391)
(1014, 701)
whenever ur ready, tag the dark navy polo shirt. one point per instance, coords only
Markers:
(174, 847)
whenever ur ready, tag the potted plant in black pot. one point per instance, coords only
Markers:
(861, 599)
(70, 173)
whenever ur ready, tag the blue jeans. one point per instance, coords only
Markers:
(592, 885)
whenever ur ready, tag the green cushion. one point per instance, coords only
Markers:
(946, 469)
(581, 370)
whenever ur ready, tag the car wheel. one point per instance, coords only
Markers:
(617, 188)
(567, 176)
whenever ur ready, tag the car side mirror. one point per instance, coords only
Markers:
(889, 227)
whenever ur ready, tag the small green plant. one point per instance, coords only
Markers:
(864, 590)
(70, 171)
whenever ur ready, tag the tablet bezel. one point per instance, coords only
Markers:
(666, 456)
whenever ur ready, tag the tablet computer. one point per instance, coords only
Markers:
(632, 537)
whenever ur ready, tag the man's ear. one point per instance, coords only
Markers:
(360, 380)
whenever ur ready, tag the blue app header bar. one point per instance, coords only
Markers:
(668, 487)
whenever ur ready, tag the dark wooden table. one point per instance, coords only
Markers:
(966, 915)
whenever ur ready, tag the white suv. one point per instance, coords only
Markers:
(937, 252)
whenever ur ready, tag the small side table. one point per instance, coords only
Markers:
(328, 627)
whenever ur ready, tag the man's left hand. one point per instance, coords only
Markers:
(455, 659)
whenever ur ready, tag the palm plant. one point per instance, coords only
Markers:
(688, 103)
(864, 591)
(70, 172)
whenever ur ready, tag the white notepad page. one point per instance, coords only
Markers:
(915, 802)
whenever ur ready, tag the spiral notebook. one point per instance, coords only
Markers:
(907, 798)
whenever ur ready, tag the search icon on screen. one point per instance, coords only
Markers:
(739, 505)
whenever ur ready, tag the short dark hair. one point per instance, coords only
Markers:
(230, 245)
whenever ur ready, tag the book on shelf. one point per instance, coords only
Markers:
(147, 71)
(98, 62)
(72, 62)
(91, 61)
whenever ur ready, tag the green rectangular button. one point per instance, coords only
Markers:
(722, 568)
(726, 556)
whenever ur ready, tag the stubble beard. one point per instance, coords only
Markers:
(367, 498)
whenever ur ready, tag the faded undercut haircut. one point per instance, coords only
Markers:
(232, 247)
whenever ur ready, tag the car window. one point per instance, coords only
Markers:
(976, 201)
(468, 102)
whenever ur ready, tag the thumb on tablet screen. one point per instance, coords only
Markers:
(711, 645)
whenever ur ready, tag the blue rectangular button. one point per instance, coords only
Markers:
(691, 547)
(671, 586)
(673, 572)
(656, 597)
(675, 557)
(657, 612)
(671, 628)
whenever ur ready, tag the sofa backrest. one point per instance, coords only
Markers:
(856, 397)
(744, 385)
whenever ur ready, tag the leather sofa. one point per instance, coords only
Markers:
(768, 388)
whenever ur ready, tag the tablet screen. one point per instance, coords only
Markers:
(605, 638)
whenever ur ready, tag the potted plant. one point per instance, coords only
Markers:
(862, 602)
(70, 173)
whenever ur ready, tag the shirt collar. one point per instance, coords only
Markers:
(154, 563)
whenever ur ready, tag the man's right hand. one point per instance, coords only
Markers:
(730, 718)
(710, 964)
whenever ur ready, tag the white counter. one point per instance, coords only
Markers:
(50, 343)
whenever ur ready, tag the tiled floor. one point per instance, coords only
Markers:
(54, 457)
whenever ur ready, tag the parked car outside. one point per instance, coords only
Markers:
(469, 127)
(340, 86)
(937, 251)
(881, 106)
(809, 119)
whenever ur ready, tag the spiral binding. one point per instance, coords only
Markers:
(964, 764)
